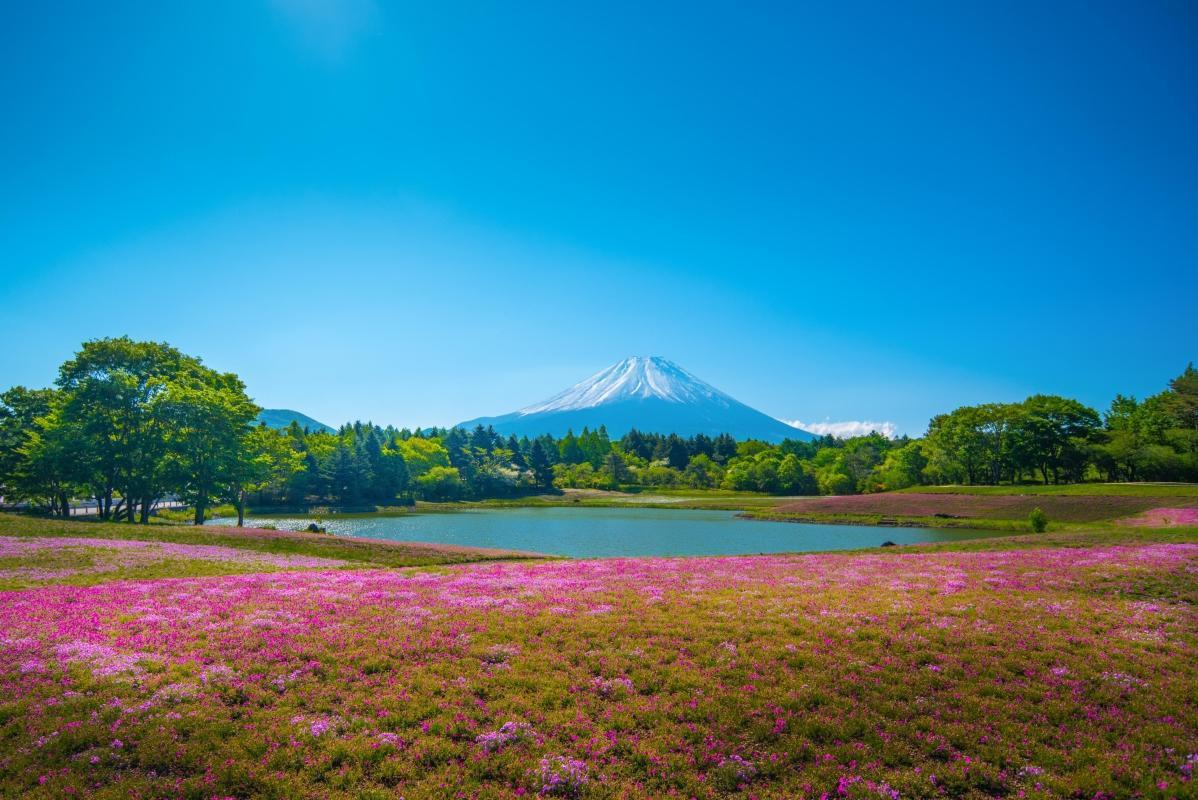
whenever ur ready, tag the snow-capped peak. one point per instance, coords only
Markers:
(636, 378)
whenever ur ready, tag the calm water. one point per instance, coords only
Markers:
(601, 532)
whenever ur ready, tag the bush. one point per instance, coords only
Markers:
(1038, 520)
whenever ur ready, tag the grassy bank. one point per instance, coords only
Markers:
(987, 507)
(1153, 490)
(92, 552)
(888, 520)
(1069, 503)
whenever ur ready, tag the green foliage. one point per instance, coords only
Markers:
(1038, 520)
(132, 422)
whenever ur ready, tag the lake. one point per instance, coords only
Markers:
(606, 532)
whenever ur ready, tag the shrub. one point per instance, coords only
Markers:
(1038, 520)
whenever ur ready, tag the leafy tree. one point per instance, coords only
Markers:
(268, 460)
(20, 410)
(903, 466)
(111, 390)
(1055, 429)
(206, 427)
(794, 477)
(440, 483)
(702, 473)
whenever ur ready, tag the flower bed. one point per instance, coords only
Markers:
(1059, 508)
(36, 559)
(1041, 673)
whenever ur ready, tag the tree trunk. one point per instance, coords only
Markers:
(241, 509)
(146, 504)
(65, 505)
(199, 515)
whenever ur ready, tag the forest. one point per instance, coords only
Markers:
(129, 423)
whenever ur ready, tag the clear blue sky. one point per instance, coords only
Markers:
(420, 213)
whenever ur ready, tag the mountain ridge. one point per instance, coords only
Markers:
(649, 393)
(279, 418)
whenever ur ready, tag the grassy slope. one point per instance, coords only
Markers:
(360, 552)
(1155, 490)
(990, 507)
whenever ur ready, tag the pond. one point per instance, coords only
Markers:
(607, 532)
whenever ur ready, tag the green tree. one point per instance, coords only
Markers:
(207, 424)
(20, 410)
(702, 473)
(440, 483)
(268, 460)
(111, 390)
(542, 469)
(794, 477)
(569, 449)
(615, 469)
(1054, 430)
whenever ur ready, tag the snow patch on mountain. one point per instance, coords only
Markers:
(636, 378)
(648, 393)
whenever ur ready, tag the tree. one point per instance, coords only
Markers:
(268, 460)
(440, 483)
(569, 449)
(207, 424)
(677, 455)
(111, 389)
(793, 478)
(1053, 429)
(701, 472)
(420, 454)
(20, 409)
(615, 469)
(518, 460)
(723, 449)
(903, 466)
(52, 465)
(345, 475)
(391, 477)
(1135, 433)
(542, 470)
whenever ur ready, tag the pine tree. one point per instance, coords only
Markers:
(542, 469)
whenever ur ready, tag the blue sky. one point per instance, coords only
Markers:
(422, 213)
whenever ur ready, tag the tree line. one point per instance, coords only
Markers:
(129, 423)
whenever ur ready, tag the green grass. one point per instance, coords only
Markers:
(1087, 537)
(73, 559)
(360, 552)
(1189, 490)
(895, 521)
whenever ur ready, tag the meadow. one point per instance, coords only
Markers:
(998, 507)
(987, 670)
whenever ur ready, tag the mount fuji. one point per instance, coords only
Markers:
(649, 393)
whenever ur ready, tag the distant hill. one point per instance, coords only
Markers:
(649, 393)
(281, 418)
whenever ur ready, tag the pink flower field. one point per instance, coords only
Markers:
(83, 556)
(1164, 518)
(1068, 672)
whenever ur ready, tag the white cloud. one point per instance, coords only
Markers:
(846, 429)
